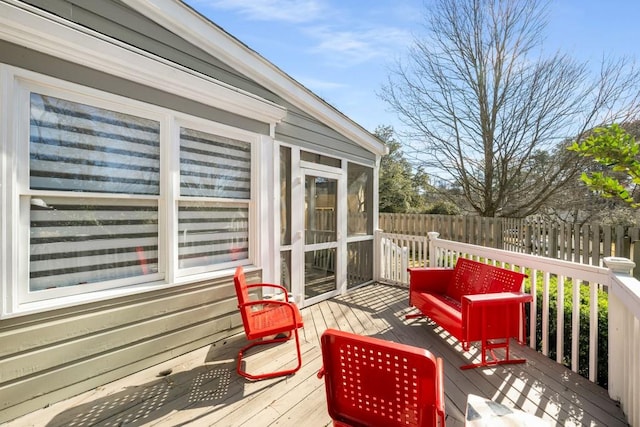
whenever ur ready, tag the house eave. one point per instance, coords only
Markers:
(200, 31)
(41, 31)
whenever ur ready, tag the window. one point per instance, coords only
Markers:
(359, 200)
(118, 194)
(213, 167)
(77, 241)
(359, 224)
(76, 149)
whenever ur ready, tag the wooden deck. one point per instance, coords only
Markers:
(203, 388)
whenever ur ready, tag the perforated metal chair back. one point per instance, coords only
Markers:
(374, 382)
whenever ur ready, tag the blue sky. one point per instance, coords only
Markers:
(342, 49)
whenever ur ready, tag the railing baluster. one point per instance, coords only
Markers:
(593, 331)
(545, 313)
(533, 308)
(560, 320)
(575, 325)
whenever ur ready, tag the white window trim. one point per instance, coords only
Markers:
(15, 86)
(182, 120)
(25, 82)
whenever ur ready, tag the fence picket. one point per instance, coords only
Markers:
(588, 244)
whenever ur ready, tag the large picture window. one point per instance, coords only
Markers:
(115, 193)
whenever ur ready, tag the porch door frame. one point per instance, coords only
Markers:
(300, 248)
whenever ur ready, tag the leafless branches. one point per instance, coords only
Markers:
(482, 104)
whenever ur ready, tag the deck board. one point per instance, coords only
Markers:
(204, 389)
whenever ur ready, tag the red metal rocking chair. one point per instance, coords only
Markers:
(266, 318)
(373, 382)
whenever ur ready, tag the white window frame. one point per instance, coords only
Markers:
(184, 121)
(15, 86)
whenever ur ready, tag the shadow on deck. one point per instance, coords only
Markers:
(202, 388)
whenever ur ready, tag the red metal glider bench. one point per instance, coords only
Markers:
(266, 322)
(373, 382)
(473, 301)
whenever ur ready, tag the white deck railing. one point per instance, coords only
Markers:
(623, 293)
(624, 338)
(397, 253)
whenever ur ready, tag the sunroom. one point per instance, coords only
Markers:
(146, 153)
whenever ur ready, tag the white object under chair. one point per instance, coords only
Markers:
(482, 412)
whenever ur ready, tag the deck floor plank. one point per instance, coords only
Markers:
(203, 388)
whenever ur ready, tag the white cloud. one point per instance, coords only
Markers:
(345, 35)
(295, 11)
(351, 47)
(318, 86)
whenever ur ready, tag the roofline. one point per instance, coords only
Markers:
(41, 31)
(202, 32)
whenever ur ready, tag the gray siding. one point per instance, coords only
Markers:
(303, 131)
(51, 356)
(118, 21)
(24, 58)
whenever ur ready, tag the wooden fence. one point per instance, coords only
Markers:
(587, 244)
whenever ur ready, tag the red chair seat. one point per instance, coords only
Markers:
(272, 320)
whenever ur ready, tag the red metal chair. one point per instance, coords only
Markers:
(265, 322)
(373, 382)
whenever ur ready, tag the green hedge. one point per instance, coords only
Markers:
(583, 369)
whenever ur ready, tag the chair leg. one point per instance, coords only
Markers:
(284, 372)
(488, 346)
(414, 316)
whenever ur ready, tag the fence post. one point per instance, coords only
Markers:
(552, 242)
(635, 258)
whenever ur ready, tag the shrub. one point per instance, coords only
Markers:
(442, 208)
(583, 345)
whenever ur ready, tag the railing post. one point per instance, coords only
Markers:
(623, 359)
(404, 265)
(433, 256)
(377, 255)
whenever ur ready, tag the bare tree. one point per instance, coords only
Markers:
(481, 104)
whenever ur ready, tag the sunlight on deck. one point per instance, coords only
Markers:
(202, 388)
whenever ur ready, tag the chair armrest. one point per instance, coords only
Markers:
(430, 279)
(267, 285)
(292, 308)
(497, 298)
(268, 302)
